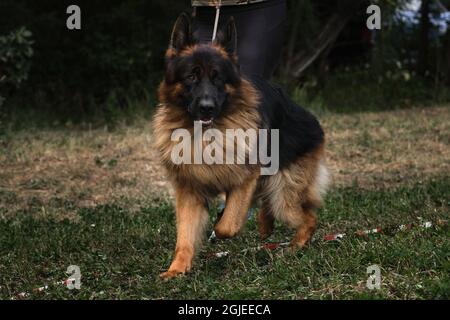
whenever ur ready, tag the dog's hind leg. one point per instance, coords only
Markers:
(297, 210)
(311, 200)
(265, 222)
(192, 217)
(234, 215)
(306, 228)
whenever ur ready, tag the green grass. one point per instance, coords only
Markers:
(350, 90)
(121, 253)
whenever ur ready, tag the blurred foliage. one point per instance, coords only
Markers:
(117, 56)
(15, 58)
(15, 61)
(379, 72)
(109, 70)
(356, 89)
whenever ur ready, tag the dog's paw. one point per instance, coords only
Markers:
(265, 231)
(263, 235)
(225, 231)
(170, 274)
(296, 245)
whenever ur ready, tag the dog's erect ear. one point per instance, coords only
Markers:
(181, 33)
(227, 37)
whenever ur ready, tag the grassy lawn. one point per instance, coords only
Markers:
(120, 253)
(99, 200)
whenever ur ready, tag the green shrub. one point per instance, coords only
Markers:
(90, 74)
(15, 60)
(361, 89)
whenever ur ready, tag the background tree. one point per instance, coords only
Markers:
(110, 68)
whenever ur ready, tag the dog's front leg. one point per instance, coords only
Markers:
(192, 217)
(237, 205)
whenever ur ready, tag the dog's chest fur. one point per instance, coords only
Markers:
(206, 178)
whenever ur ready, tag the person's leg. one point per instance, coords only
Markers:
(260, 30)
(260, 38)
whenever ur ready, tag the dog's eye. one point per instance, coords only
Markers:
(192, 77)
(214, 74)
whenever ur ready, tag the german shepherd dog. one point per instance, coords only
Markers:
(203, 83)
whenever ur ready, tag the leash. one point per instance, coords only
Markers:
(337, 237)
(216, 21)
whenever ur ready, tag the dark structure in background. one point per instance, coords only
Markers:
(113, 64)
(116, 56)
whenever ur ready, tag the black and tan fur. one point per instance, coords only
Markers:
(291, 195)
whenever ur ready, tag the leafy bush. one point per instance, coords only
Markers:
(15, 60)
(362, 89)
(93, 73)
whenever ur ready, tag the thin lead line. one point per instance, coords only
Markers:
(216, 21)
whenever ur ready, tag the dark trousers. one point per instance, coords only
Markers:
(260, 32)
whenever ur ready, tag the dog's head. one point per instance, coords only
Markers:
(200, 77)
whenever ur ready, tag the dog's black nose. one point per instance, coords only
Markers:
(206, 106)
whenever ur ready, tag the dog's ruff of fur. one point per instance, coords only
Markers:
(291, 195)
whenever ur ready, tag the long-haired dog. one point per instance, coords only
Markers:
(203, 85)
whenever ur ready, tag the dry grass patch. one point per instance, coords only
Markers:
(57, 171)
(389, 148)
(78, 169)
